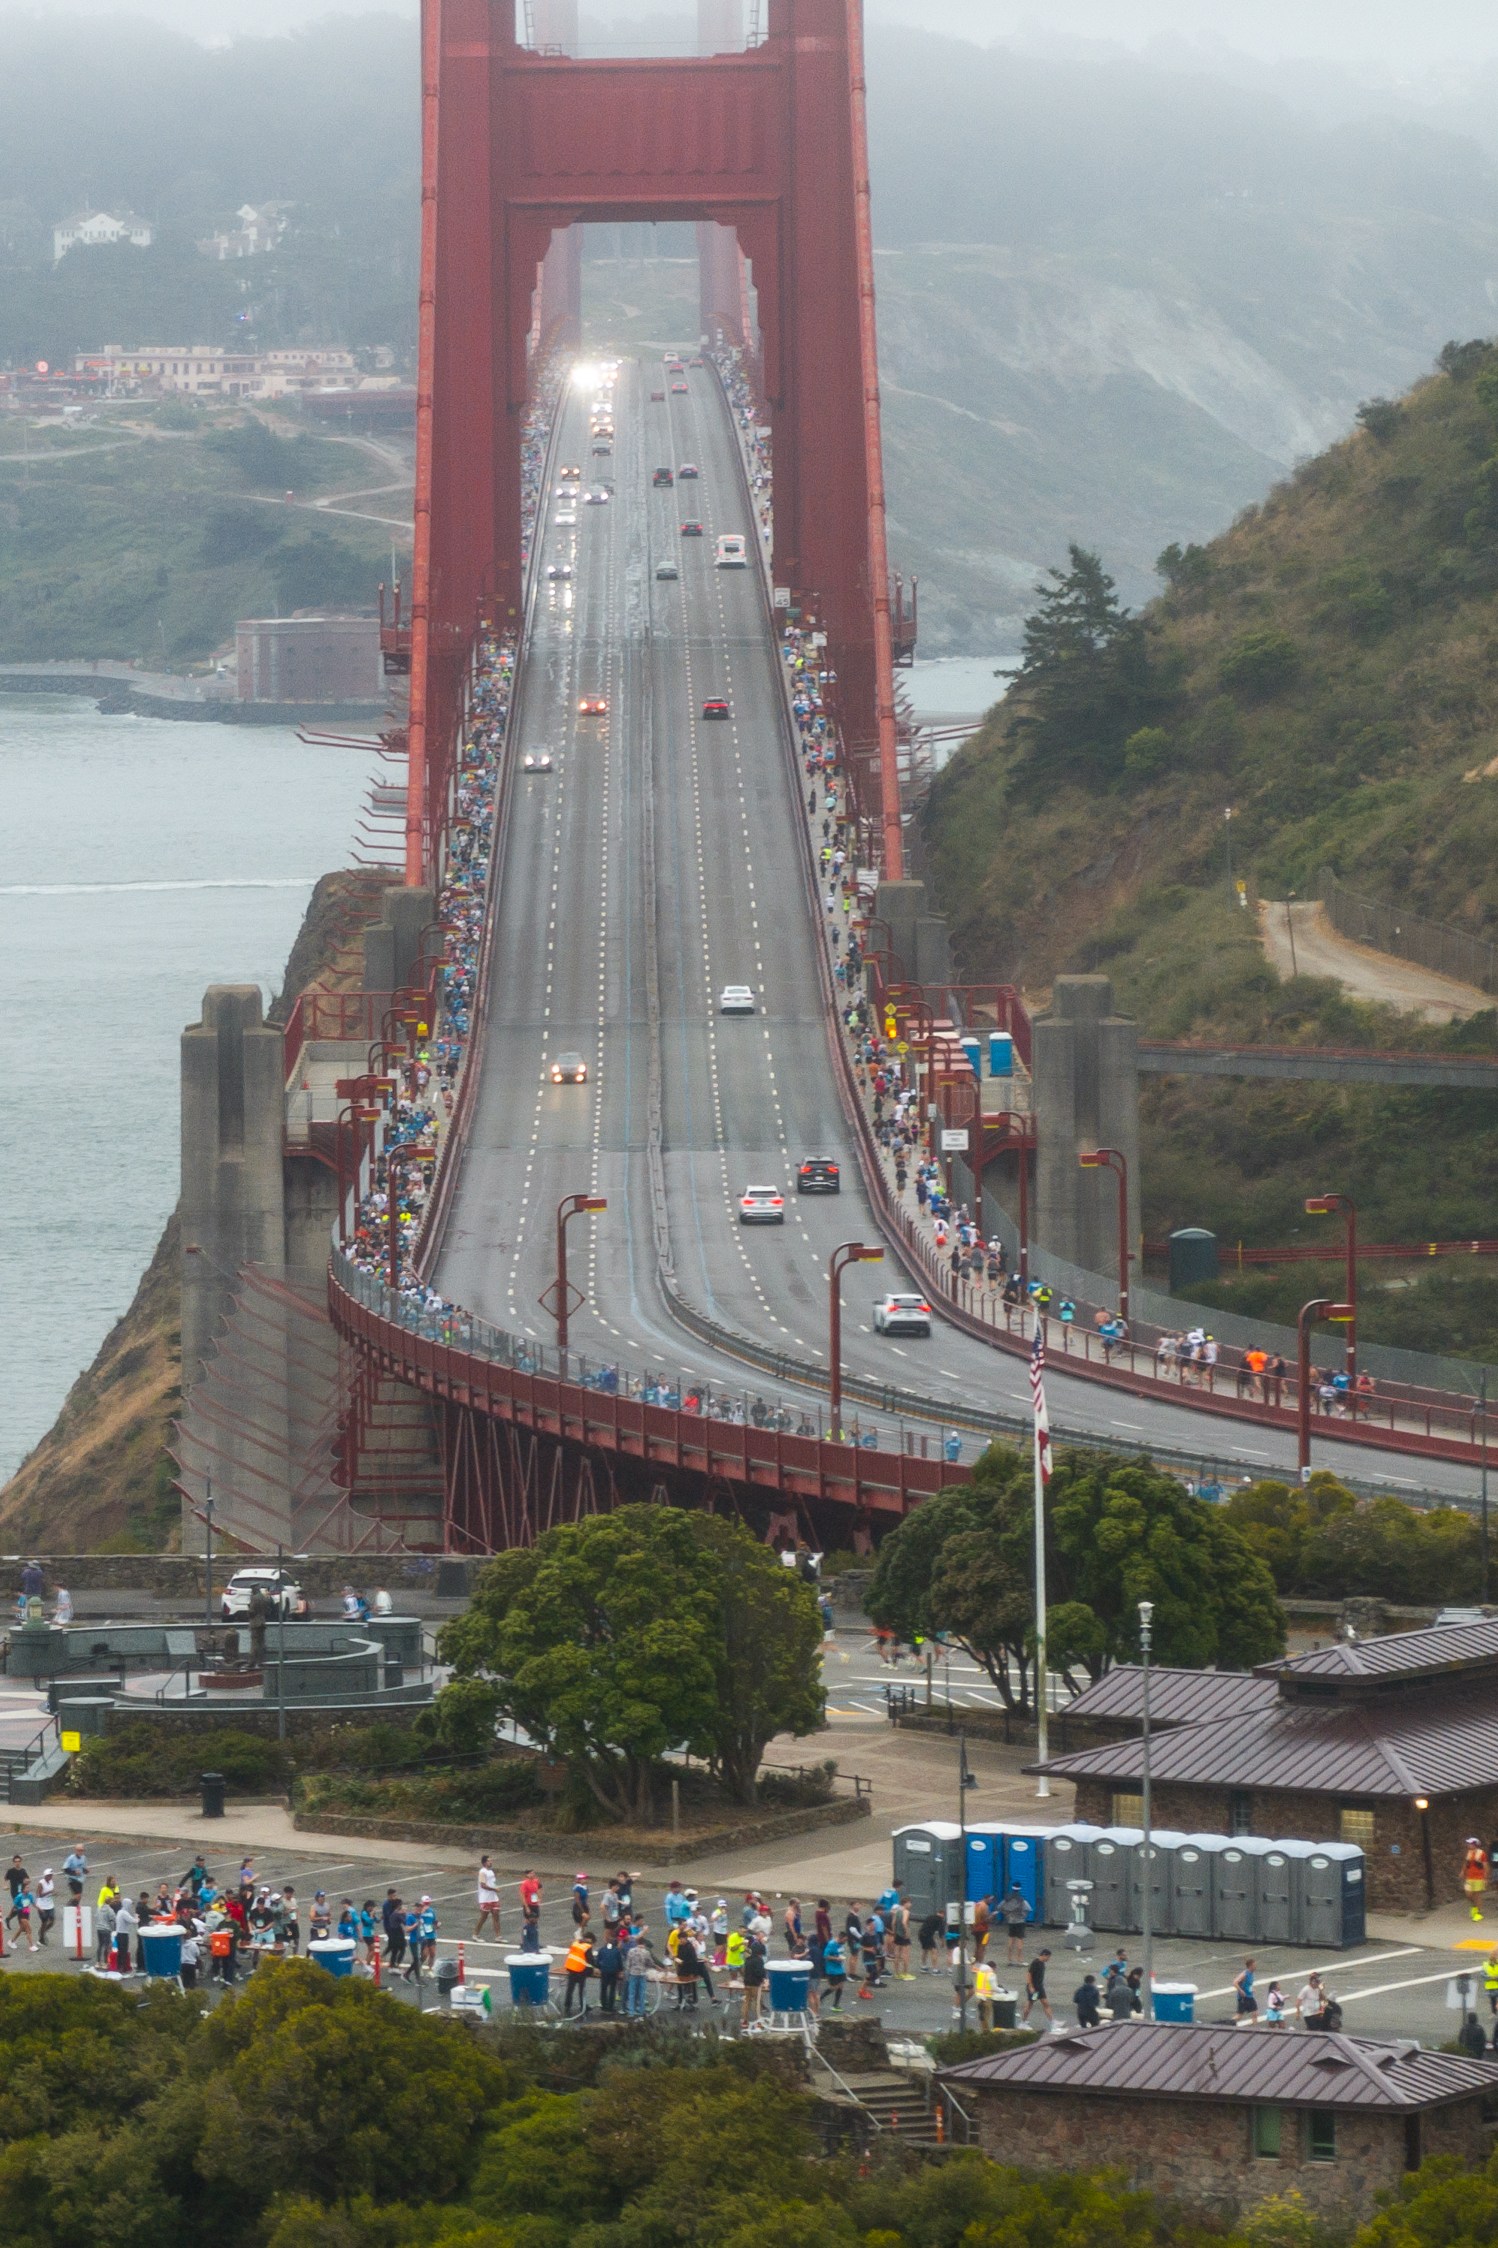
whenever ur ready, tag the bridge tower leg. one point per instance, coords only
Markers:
(1085, 1068)
(560, 280)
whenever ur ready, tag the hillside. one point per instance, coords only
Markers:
(1325, 670)
(150, 531)
(1117, 298)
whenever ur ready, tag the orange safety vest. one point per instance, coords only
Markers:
(577, 1961)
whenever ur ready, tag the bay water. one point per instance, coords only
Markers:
(141, 859)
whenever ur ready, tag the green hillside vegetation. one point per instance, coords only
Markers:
(1326, 670)
(148, 533)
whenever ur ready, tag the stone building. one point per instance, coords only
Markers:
(1389, 1743)
(1220, 2118)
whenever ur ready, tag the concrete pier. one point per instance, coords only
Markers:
(1086, 1095)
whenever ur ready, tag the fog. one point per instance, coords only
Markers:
(1382, 39)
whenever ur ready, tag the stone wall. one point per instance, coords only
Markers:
(1397, 1874)
(179, 1577)
(1201, 2152)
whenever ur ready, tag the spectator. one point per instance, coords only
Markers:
(1085, 1998)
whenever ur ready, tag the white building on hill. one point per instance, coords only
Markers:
(89, 228)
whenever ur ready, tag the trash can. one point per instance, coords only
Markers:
(447, 1977)
(1175, 2002)
(335, 1953)
(213, 1785)
(789, 1981)
(163, 1950)
(1005, 2004)
(395, 1671)
(530, 1977)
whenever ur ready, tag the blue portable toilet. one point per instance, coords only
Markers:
(985, 1862)
(1159, 1868)
(974, 1053)
(1111, 1866)
(1000, 1054)
(1065, 1860)
(1331, 1894)
(926, 1868)
(1276, 1895)
(1235, 1918)
(1193, 1883)
(1024, 1863)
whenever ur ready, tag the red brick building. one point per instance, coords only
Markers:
(1220, 2118)
(1390, 1743)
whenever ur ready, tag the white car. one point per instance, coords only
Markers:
(536, 761)
(566, 519)
(902, 1315)
(737, 999)
(761, 1205)
(282, 1595)
(667, 570)
(598, 497)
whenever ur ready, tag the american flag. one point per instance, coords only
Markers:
(1037, 1397)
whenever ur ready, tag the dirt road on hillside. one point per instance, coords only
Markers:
(1300, 940)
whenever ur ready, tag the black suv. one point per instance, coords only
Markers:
(818, 1175)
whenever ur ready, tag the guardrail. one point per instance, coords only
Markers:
(570, 1396)
(348, 1016)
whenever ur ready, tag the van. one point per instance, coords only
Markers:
(732, 553)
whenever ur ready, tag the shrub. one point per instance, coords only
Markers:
(1146, 752)
(142, 1759)
(1259, 664)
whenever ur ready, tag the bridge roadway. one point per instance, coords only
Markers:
(743, 1098)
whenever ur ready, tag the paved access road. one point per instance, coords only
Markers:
(1387, 1989)
(656, 824)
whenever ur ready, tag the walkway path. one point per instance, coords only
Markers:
(1306, 944)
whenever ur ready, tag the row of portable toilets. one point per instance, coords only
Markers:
(1235, 1887)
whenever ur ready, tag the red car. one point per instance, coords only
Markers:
(688, 470)
(678, 389)
(715, 707)
(592, 706)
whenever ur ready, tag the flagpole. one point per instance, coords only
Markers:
(1043, 1787)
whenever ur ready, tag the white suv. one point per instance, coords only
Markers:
(902, 1315)
(282, 1595)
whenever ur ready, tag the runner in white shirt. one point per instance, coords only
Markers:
(488, 1896)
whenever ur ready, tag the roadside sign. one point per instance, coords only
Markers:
(71, 1743)
(954, 1140)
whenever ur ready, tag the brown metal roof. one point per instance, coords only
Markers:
(1177, 1697)
(1402, 1654)
(1442, 1740)
(1200, 2061)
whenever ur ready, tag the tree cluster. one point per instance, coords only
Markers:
(309, 2113)
(617, 1639)
(1323, 1543)
(1085, 684)
(1118, 1531)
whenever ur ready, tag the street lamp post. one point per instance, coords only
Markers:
(571, 1206)
(965, 1780)
(1114, 1160)
(849, 1253)
(1146, 1900)
(1320, 1307)
(1321, 1205)
(208, 1551)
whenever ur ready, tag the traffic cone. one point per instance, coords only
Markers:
(462, 1970)
(374, 1962)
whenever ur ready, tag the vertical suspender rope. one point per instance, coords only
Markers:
(873, 451)
(426, 373)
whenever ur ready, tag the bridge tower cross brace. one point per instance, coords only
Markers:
(769, 142)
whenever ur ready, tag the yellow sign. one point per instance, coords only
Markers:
(72, 1743)
(902, 1048)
